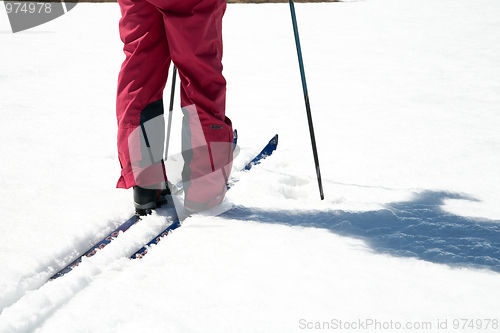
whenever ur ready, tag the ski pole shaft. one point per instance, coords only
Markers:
(306, 98)
(170, 109)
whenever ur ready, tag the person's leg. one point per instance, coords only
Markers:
(139, 105)
(194, 34)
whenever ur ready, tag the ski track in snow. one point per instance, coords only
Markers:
(39, 298)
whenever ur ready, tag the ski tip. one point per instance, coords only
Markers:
(274, 140)
(235, 139)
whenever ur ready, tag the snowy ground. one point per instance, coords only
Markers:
(405, 97)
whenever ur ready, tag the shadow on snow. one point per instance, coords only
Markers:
(419, 228)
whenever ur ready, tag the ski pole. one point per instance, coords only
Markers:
(306, 97)
(170, 109)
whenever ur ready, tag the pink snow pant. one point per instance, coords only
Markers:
(188, 33)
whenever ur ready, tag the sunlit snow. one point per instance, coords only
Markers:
(405, 97)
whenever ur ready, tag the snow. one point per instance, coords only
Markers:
(404, 96)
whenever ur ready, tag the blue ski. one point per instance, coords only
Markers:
(93, 250)
(270, 147)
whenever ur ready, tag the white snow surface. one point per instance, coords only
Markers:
(405, 96)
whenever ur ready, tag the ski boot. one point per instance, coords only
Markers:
(147, 199)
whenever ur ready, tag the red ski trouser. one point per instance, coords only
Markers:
(188, 33)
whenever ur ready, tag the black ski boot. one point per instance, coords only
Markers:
(147, 199)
